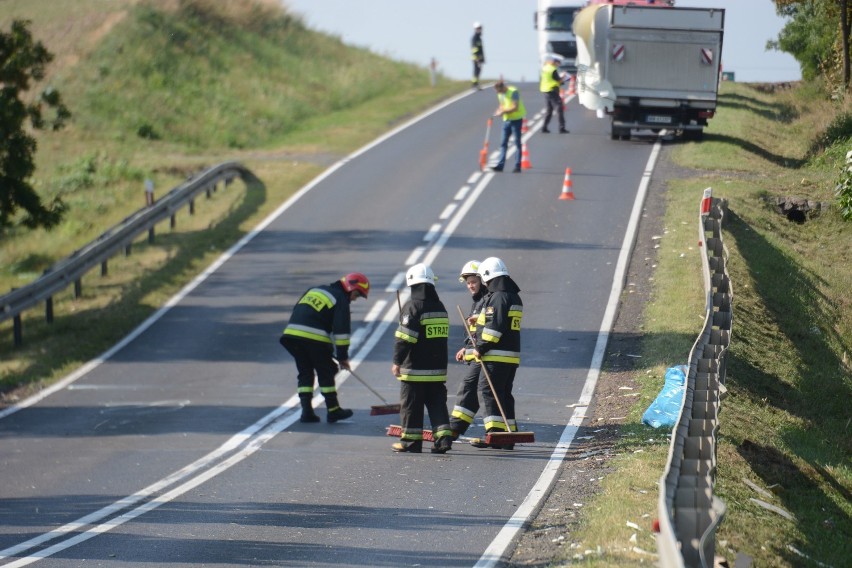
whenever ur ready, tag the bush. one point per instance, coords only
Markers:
(843, 190)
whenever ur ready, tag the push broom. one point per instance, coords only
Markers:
(377, 409)
(498, 438)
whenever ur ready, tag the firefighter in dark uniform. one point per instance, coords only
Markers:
(420, 364)
(467, 398)
(319, 325)
(477, 52)
(498, 346)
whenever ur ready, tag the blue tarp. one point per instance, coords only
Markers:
(666, 407)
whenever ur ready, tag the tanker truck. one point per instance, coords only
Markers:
(650, 67)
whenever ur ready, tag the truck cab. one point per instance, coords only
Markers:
(554, 20)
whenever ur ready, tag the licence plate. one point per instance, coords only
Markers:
(659, 119)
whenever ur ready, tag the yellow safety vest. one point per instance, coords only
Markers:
(506, 100)
(548, 83)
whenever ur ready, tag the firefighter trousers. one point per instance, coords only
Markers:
(467, 400)
(313, 358)
(416, 396)
(503, 377)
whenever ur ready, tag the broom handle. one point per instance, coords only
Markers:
(363, 382)
(485, 370)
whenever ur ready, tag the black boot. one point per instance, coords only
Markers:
(338, 413)
(308, 414)
(442, 445)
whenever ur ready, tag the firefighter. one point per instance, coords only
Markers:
(420, 364)
(319, 325)
(498, 346)
(477, 52)
(467, 399)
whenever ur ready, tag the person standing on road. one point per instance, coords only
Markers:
(420, 364)
(320, 324)
(498, 346)
(467, 399)
(477, 53)
(511, 107)
(550, 83)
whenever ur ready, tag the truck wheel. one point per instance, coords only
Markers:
(695, 135)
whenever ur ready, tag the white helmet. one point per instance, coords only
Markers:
(492, 267)
(420, 274)
(476, 25)
(470, 268)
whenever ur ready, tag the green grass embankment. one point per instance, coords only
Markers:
(785, 425)
(160, 89)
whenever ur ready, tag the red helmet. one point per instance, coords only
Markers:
(356, 282)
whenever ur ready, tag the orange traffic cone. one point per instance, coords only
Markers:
(524, 127)
(567, 192)
(572, 86)
(525, 158)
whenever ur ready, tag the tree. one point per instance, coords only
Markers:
(23, 61)
(811, 36)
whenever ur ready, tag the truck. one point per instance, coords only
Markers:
(553, 21)
(650, 67)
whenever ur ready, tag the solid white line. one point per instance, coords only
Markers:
(496, 551)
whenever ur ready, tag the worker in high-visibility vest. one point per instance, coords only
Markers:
(550, 83)
(511, 108)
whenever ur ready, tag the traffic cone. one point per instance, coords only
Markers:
(572, 85)
(524, 127)
(525, 158)
(567, 192)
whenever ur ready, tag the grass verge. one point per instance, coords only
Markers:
(786, 425)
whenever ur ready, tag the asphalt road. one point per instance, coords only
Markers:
(184, 447)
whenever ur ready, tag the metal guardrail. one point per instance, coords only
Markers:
(688, 511)
(120, 237)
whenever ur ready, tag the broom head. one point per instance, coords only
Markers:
(508, 438)
(396, 432)
(378, 409)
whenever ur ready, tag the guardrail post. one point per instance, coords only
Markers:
(78, 289)
(151, 236)
(192, 207)
(149, 192)
(48, 310)
(172, 221)
(128, 248)
(17, 330)
(104, 268)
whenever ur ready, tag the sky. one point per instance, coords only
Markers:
(420, 31)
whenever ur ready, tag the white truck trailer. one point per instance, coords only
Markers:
(650, 67)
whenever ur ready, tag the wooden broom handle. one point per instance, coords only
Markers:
(485, 370)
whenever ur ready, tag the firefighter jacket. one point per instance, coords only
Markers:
(498, 328)
(322, 314)
(420, 348)
(476, 50)
(478, 303)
